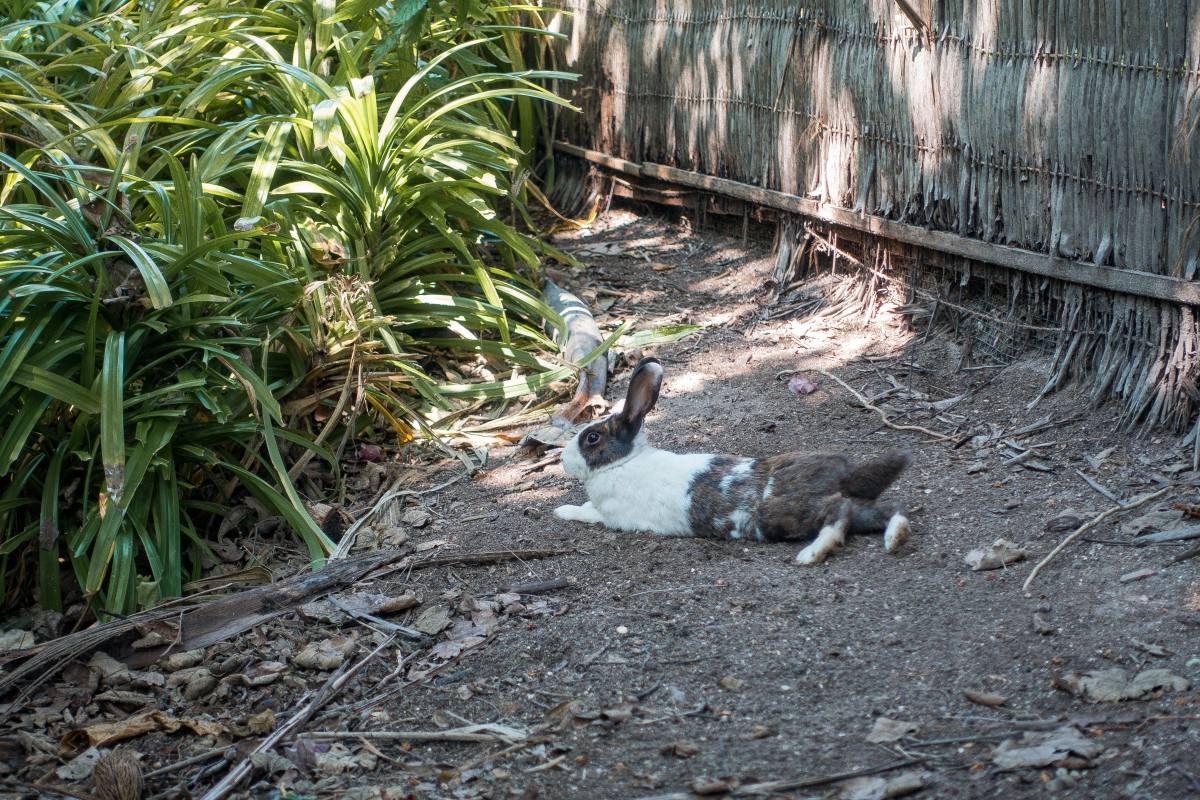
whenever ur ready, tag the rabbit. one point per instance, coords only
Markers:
(633, 486)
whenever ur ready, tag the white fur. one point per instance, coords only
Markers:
(736, 473)
(584, 513)
(646, 490)
(897, 533)
(830, 538)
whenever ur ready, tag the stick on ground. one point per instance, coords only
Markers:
(775, 787)
(335, 683)
(882, 414)
(1087, 526)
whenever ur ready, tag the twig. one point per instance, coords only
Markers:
(1019, 459)
(674, 589)
(501, 734)
(363, 705)
(1099, 487)
(554, 762)
(775, 787)
(691, 712)
(883, 415)
(539, 587)
(554, 456)
(347, 540)
(1093, 522)
(1185, 555)
(332, 686)
(492, 756)
(485, 557)
(1164, 537)
(1044, 423)
(186, 762)
(386, 625)
(981, 737)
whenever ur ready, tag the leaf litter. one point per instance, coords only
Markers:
(535, 650)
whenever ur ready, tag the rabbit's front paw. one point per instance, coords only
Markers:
(583, 513)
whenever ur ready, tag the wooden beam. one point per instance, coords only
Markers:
(1124, 281)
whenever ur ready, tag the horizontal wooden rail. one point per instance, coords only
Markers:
(1125, 281)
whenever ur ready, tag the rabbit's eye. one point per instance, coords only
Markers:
(592, 437)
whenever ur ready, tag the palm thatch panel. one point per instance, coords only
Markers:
(1068, 128)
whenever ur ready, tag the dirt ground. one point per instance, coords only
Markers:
(665, 665)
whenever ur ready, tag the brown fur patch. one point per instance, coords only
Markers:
(804, 492)
(724, 500)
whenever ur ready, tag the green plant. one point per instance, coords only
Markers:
(218, 225)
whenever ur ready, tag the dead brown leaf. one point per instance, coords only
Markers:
(433, 620)
(107, 733)
(326, 654)
(985, 698)
(886, 729)
(680, 749)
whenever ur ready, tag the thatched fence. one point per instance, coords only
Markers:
(1048, 150)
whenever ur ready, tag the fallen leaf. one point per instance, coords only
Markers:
(549, 436)
(339, 758)
(1001, 553)
(680, 749)
(618, 713)
(16, 639)
(124, 697)
(106, 733)
(194, 682)
(181, 660)
(598, 249)
(270, 762)
(1153, 649)
(1045, 749)
(1114, 685)
(433, 620)
(891, 730)
(707, 788)
(878, 787)
(416, 517)
(559, 717)
(453, 647)
(106, 665)
(800, 386)
(80, 767)
(985, 698)
(1159, 519)
(326, 654)
(262, 723)
(1189, 509)
(261, 673)
(1066, 520)
(1137, 575)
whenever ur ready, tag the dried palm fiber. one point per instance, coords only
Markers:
(1066, 128)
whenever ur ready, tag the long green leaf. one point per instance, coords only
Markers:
(112, 415)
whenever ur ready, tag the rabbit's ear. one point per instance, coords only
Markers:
(643, 394)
